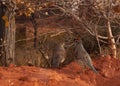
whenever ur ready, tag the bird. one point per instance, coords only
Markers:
(58, 56)
(83, 56)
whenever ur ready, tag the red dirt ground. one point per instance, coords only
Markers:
(71, 75)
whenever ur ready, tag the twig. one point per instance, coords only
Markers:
(96, 32)
(45, 57)
(58, 33)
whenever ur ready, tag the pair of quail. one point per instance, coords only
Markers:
(59, 55)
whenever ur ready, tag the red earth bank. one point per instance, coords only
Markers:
(70, 75)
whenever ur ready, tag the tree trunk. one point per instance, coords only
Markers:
(111, 41)
(8, 38)
(2, 34)
(35, 29)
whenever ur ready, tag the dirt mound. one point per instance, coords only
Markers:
(72, 75)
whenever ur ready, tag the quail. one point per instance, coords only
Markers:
(58, 56)
(83, 56)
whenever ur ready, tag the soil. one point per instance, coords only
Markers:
(71, 75)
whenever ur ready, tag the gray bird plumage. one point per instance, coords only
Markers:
(59, 55)
(83, 56)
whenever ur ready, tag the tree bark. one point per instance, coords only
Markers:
(111, 41)
(8, 41)
(2, 34)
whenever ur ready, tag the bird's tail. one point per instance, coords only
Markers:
(89, 63)
(93, 68)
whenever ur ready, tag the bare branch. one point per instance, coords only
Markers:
(77, 18)
(102, 37)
